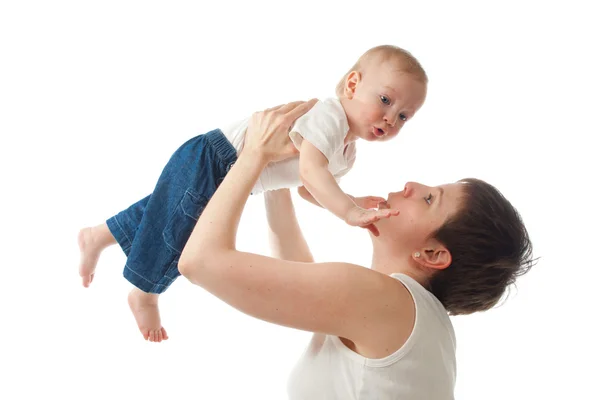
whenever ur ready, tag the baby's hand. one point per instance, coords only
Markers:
(359, 216)
(367, 201)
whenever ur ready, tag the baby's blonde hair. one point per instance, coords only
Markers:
(406, 61)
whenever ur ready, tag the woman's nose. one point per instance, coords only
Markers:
(409, 188)
(412, 188)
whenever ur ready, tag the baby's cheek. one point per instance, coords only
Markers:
(377, 114)
(371, 113)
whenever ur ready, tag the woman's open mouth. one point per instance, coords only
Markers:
(383, 205)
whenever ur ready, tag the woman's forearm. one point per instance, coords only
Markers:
(213, 239)
(216, 230)
(285, 235)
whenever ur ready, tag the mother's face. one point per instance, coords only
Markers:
(423, 210)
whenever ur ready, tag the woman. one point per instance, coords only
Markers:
(380, 333)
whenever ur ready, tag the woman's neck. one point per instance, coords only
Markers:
(389, 264)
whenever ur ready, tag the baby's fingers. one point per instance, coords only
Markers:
(386, 213)
(391, 212)
(373, 201)
(372, 216)
(376, 215)
(376, 199)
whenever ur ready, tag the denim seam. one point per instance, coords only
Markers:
(199, 198)
(124, 233)
(146, 280)
(168, 245)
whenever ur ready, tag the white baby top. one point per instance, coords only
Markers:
(424, 368)
(325, 126)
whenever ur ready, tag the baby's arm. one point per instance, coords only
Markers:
(363, 202)
(305, 194)
(323, 188)
(320, 183)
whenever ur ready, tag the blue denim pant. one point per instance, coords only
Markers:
(153, 231)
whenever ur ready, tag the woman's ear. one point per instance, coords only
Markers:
(433, 258)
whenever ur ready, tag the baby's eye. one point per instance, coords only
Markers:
(384, 99)
(403, 117)
(428, 199)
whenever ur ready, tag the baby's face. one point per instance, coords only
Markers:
(382, 100)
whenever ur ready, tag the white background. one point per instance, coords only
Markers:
(95, 96)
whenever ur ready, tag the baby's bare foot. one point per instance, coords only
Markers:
(145, 310)
(90, 247)
(92, 241)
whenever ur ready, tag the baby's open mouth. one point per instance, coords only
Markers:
(378, 132)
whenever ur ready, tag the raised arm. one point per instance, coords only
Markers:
(321, 184)
(305, 194)
(285, 236)
(335, 298)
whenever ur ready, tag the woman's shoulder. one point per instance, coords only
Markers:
(413, 317)
(430, 314)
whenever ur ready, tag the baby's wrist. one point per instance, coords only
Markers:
(349, 212)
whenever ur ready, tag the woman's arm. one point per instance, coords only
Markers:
(285, 236)
(334, 298)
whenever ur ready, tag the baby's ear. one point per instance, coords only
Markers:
(351, 82)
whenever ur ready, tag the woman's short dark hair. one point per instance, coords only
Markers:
(490, 248)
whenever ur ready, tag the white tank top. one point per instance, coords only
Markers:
(423, 368)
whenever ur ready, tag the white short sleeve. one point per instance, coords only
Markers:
(325, 126)
(350, 156)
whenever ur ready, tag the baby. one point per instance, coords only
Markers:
(383, 90)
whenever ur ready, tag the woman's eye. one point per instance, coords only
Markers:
(384, 100)
(428, 199)
(403, 117)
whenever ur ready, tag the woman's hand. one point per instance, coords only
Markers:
(267, 135)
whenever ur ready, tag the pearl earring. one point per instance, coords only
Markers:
(417, 254)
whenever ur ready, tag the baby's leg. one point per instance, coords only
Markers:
(167, 221)
(188, 180)
(144, 307)
(92, 240)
